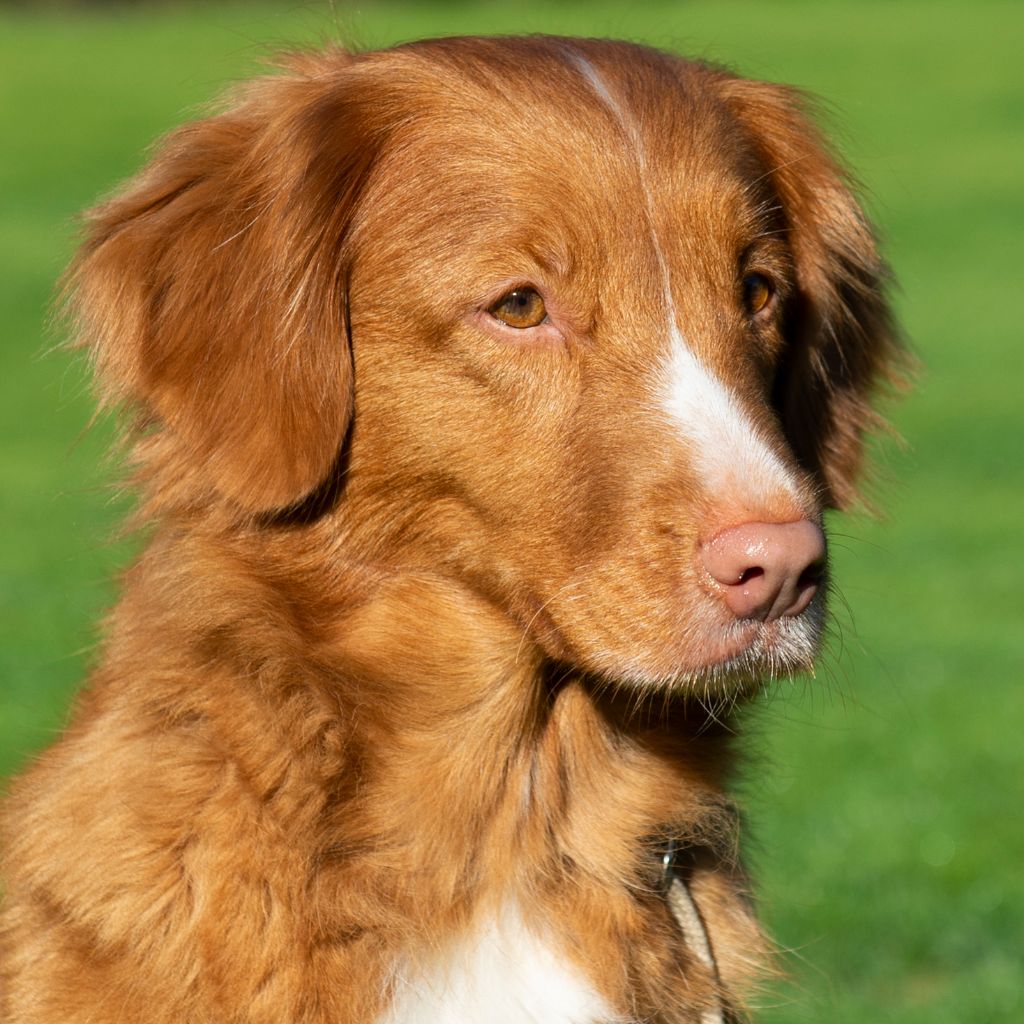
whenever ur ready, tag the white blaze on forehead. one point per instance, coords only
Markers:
(632, 132)
(732, 459)
(599, 86)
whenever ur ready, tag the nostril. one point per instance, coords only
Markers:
(750, 574)
(813, 574)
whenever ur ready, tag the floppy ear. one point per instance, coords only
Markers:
(842, 343)
(211, 290)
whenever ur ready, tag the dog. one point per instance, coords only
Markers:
(483, 398)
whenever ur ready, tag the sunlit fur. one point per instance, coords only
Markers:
(419, 658)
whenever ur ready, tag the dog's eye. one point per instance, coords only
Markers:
(520, 308)
(758, 292)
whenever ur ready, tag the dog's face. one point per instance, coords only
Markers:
(602, 307)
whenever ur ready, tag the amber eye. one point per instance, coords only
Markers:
(757, 293)
(521, 308)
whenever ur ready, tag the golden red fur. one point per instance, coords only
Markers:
(421, 631)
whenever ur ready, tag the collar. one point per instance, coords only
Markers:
(687, 916)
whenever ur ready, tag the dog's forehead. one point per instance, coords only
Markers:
(570, 146)
(583, 113)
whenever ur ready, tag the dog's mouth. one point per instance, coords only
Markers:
(755, 654)
(732, 661)
(700, 650)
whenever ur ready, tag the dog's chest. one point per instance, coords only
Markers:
(501, 974)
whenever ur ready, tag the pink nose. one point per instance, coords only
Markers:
(767, 570)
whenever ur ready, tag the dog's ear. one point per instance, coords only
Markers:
(211, 290)
(841, 341)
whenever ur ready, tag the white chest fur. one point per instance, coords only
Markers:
(501, 974)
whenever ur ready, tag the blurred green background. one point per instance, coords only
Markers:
(885, 795)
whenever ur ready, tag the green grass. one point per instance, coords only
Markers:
(888, 793)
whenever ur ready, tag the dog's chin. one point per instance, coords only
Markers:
(739, 661)
(765, 653)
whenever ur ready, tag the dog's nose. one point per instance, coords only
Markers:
(767, 570)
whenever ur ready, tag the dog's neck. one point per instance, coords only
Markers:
(461, 771)
(497, 773)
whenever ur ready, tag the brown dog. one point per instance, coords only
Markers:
(487, 394)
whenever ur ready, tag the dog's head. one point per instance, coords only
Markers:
(595, 327)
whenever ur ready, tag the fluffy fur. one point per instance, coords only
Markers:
(419, 666)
